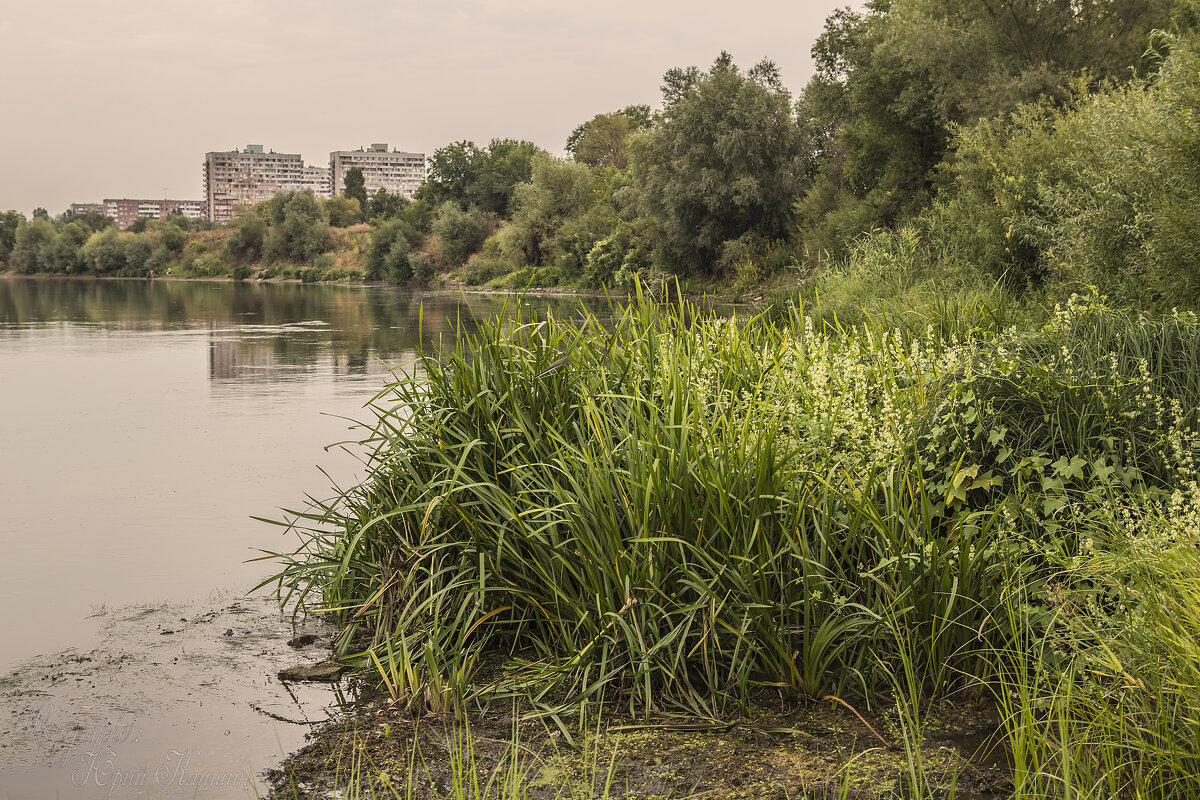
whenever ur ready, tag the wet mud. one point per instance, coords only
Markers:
(818, 751)
(175, 700)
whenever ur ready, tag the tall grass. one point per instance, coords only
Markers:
(1106, 704)
(673, 512)
(678, 513)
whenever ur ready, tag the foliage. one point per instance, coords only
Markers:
(64, 254)
(249, 234)
(31, 244)
(468, 176)
(724, 161)
(603, 141)
(557, 191)
(354, 186)
(619, 259)
(423, 266)
(460, 232)
(385, 205)
(92, 220)
(893, 81)
(671, 512)
(1050, 426)
(342, 210)
(300, 229)
(172, 238)
(107, 252)
(481, 269)
(388, 259)
(1100, 193)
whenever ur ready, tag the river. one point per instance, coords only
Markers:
(142, 425)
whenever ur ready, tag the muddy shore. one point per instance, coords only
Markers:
(175, 700)
(818, 750)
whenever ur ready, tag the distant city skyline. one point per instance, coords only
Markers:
(119, 98)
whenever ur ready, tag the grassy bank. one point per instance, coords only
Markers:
(671, 515)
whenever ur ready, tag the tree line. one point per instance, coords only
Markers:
(985, 126)
(1037, 141)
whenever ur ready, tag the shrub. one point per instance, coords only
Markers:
(480, 270)
(172, 238)
(388, 256)
(424, 268)
(698, 500)
(461, 233)
(246, 240)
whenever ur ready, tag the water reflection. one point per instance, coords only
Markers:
(257, 331)
(143, 425)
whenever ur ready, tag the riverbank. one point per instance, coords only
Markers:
(173, 700)
(147, 423)
(676, 516)
(820, 751)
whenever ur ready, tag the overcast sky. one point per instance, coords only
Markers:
(122, 98)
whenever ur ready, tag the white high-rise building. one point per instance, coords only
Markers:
(399, 173)
(315, 179)
(248, 176)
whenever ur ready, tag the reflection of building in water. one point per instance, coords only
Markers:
(288, 356)
(252, 360)
(365, 364)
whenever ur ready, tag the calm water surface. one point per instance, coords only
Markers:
(141, 425)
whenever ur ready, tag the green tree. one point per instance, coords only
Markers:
(419, 213)
(92, 220)
(64, 253)
(31, 245)
(503, 165)
(301, 232)
(724, 161)
(249, 234)
(460, 233)
(9, 222)
(385, 205)
(138, 251)
(559, 191)
(464, 174)
(1103, 192)
(342, 211)
(172, 238)
(603, 141)
(388, 257)
(355, 186)
(452, 170)
(892, 83)
(104, 252)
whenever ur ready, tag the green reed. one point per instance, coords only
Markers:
(630, 513)
(678, 513)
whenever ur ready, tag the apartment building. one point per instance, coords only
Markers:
(399, 173)
(248, 176)
(315, 179)
(126, 211)
(79, 209)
